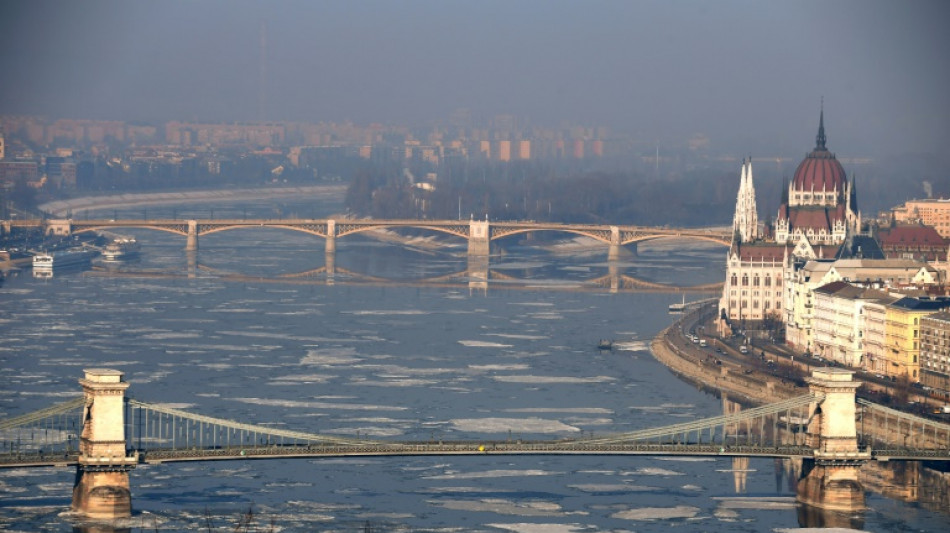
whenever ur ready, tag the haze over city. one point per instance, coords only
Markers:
(750, 76)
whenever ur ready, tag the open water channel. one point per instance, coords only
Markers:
(238, 337)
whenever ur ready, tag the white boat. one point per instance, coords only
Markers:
(678, 308)
(120, 250)
(46, 262)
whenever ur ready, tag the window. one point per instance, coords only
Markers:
(745, 280)
(734, 281)
(755, 281)
(768, 281)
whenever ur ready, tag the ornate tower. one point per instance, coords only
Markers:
(745, 223)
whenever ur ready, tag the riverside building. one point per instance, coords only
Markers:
(817, 219)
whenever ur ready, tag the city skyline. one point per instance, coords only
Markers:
(748, 76)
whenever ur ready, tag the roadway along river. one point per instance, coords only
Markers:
(391, 360)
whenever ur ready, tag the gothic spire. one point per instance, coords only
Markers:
(820, 139)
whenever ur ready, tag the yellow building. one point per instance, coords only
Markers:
(902, 335)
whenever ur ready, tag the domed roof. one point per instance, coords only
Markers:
(820, 171)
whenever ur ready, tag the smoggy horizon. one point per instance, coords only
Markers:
(750, 76)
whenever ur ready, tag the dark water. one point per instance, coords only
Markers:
(238, 335)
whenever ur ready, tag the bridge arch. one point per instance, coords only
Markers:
(602, 235)
(700, 237)
(179, 228)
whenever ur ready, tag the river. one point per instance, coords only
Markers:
(243, 336)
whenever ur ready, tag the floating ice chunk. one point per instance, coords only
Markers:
(504, 507)
(484, 344)
(504, 425)
(302, 378)
(578, 410)
(765, 503)
(616, 487)
(319, 405)
(658, 513)
(652, 471)
(387, 312)
(520, 337)
(540, 528)
(553, 379)
(492, 368)
(491, 474)
(330, 356)
(394, 382)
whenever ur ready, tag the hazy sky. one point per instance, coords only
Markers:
(748, 74)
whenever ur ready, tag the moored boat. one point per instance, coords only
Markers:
(121, 250)
(678, 308)
(62, 259)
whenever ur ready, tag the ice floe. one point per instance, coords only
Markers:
(540, 528)
(318, 405)
(504, 425)
(504, 507)
(499, 367)
(483, 344)
(553, 379)
(516, 336)
(762, 503)
(652, 471)
(491, 474)
(574, 410)
(613, 487)
(658, 513)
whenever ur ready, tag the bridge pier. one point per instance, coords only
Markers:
(479, 238)
(829, 479)
(101, 490)
(331, 237)
(613, 253)
(330, 251)
(191, 245)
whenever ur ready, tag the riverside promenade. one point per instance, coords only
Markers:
(697, 365)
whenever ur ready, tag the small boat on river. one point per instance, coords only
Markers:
(678, 308)
(62, 259)
(121, 249)
(605, 344)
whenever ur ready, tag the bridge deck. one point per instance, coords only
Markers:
(465, 448)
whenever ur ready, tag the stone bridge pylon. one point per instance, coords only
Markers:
(101, 490)
(829, 479)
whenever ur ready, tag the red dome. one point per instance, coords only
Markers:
(820, 171)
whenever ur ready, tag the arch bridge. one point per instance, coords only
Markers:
(105, 435)
(477, 233)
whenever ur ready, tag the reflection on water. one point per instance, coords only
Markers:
(232, 332)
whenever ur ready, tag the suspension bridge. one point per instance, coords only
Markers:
(105, 434)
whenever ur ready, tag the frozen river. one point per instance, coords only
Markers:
(389, 360)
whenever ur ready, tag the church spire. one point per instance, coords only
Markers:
(745, 222)
(820, 139)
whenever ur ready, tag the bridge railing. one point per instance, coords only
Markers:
(53, 431)
(779, 423)
(884, 428)
(155, 427)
